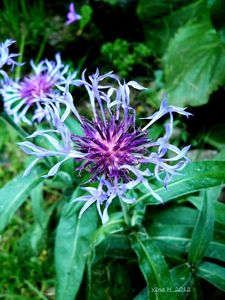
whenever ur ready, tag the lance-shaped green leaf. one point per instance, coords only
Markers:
(219, 212)
(38, 232)
(106, 243)
(212, 273)
(73, 240)
(196, 289)
(202, 233)
(219, 209)
(195, 176)
(181, 276)
(14, 193)
(37, 202)
(143, 295)
(216, 250)
(174, 215)
(173, 241)
(153, 267)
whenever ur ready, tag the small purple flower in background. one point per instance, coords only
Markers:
(6, 58)
(72, 16)
(23, 99)
(112, 149)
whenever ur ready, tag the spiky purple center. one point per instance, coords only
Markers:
(35, 86)
(109, 146)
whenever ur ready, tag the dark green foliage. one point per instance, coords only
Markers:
(161, 19)
(124, 56)
(194, 61)
(216, 9)
(203, 232)
(153, 266)
(15, 193)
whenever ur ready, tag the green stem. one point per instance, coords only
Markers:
(41, 50)
(20, 58)
(22, 133)
(126, 214)
(24, 8)
(89, 276)
(35, 290)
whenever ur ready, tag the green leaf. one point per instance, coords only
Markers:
(196, 289)
(115, 246)
(86, 13)
(212, 273)
(219, 209)
(38, 232)
(143, 295)
(161, 19)
(181, 276)
(176, 248)
(216, 250)
(72, 246)
(161, 231)
(173, 241)
(217, 8)
(37, 238)
(203, 232)
(153, 266)
(73, 125)
(219, 212)
(111, 239)
(14, 193)
(194, 64)
(195, 176)
(108, 240)
(63, 180)
(175, 215)
(111, 279)
(148, 10)
(37, 202)
(114, 225)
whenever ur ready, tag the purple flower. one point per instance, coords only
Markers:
(23, 99)
(112, 149)
(72, 16)
(62, 149)
(6, 58)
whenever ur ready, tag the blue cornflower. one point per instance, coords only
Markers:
(115, 152)
(72, 16)
(7, 58)
(23, 99)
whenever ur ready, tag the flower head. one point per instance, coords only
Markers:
(72, 16)
(7, 58)
(110, 145)
(26, 96)
(115, 152)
